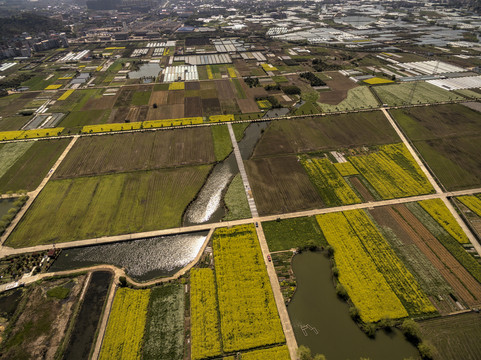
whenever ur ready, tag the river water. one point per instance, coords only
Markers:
(143, 259)
(209, 207)
(321, 320)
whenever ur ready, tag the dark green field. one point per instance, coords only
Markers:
(448, 138)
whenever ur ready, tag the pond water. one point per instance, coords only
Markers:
(209, 207)
(146, 71)
(321, 320)
(5, 205)
(142, 259)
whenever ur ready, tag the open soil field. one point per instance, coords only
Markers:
(280, 185)
(96, 155)
(224, 89)
(211, 106)
(43, 317)
(454, 337)
(100, 103)
(159, 98)
(193, 107)
(10, 105)
(166, 112)
(192, 85)
(357, 98)
(30, 169)
(175, 97)
(92, 207)
(247, 106)
(339, 85)
(325, 133)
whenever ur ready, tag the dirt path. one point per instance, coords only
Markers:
(33, 195)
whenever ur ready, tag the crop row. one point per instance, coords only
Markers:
(30, 134)
(141, 125)
(369, 270)
(204, 315)
(331, 186)
(275, 353)
(247, 308)
(441, 214)
(221, 118)
(346, 169)
(125, 329)
(392, 172)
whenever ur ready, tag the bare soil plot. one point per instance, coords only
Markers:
(464, 284)
(280, 184)
(339, 85)
(454, 337)
(193, 107)
(211, 106)
(102, 103)
(96, 155)
(324, 133)
(124, 96)
(257, 92)
(359, 186)
(159, 98)
(175, 97)
(224, 89)
(229, 106)
(192, 85)
(10, 105)
(242, 67)
(166, 112)
(247, 106)
(137, 113)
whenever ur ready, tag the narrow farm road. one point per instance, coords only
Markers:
(33, 195)
(435, 185)
(242, 170)
(276, 290)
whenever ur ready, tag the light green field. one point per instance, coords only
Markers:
(425, 93)
(357, 98)
(92, 207)
(10, 153)
(236, 201)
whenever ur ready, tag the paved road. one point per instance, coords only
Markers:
(33, 195)
(242, 170)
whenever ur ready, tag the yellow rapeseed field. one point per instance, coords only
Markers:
(275, 353)
(203, 314)
(125, 329)
(177, 85)
(440, 213)
(232, 72)
(472, 202)
(111, 127)
(346, 169)
(268, 67)
(372, 274)
(29, 134)
(264, 104)
(210, 76)
(54, 87)
(221, 118)
(377, 81)
(66, 94)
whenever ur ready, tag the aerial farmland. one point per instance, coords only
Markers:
(248, 181)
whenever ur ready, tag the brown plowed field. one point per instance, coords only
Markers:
(281, 185)
(192, 85)
(159, 98)
(224, 89)
(166, 112)
(211, 106)
(258, 92)
(325, 133)
(339, 85)
(193, 107)
(175, 97)
(103, 103)
(366, 195)
(465, 285)
(95, 155)
(247, 106)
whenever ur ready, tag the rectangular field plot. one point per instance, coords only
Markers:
(248, 312)
(399, 94)
(96, 155)
(125, 329)
(447, 138)
(376, 280)
(281, 185)
(325, 133)
(357, 98)
(125, 203)
(454, 337)
(392, 172)
(29, 169)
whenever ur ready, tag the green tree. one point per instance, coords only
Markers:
(304, 353)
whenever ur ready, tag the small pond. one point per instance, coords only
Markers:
(5, 205)
(146, 71)
(143, 259)
(321, 320)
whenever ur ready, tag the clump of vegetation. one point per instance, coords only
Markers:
(7, 218)
(313, 79)
(59, 292)
(252, 82)
(291, 90)
(304, 353)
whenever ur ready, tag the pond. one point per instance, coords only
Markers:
(321, 320)
(142, 259)
(148, 70)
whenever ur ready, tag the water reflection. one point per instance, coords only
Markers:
(142, 259)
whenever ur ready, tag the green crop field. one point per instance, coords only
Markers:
(140, 98)
(293, 233)
(125, 203)
(222, 142)
(29, 170)
(236, 201)
(10, 153)
(357, 98)
(398, 94)
(164, 329)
